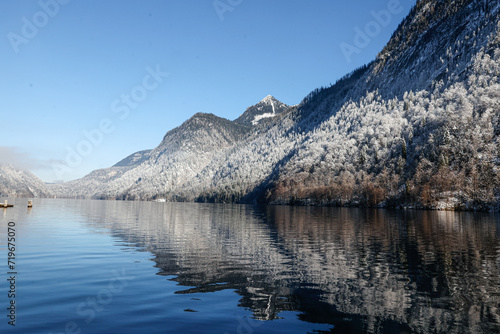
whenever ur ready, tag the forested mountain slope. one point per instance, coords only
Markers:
(134, 159)
(434, 144)
(183, 152)
(19, 183)
(417, 126)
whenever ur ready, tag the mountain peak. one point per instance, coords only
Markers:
(266, 108)
(268, 99)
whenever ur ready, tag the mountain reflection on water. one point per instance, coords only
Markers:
(357, 269)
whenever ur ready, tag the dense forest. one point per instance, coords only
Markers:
(428, 149)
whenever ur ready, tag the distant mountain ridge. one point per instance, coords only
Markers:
(415, 127)
(184, 150)
(15, 182)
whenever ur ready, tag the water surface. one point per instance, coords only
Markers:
(142, 267)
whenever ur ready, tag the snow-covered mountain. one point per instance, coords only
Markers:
(267, 108)
(419, 125)
(134, 159)
(19, 183)
(183, 152)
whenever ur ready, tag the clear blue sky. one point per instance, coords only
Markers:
(72, 72)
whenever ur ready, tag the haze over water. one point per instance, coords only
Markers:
(130, 267)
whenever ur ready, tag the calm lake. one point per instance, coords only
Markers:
(86, 266)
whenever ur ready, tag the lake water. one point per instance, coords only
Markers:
(143, 267)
